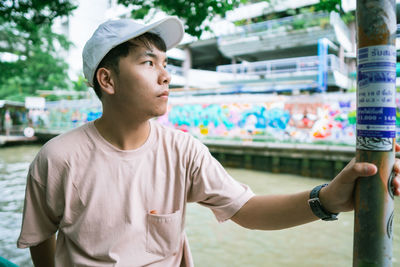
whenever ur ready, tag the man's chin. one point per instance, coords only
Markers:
(159, 113)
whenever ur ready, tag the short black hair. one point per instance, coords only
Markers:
(111, 59)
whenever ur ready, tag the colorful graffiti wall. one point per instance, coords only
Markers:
(65, 115)
(320, 118)
(327, 118)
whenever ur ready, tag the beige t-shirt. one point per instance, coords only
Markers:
(102, 200)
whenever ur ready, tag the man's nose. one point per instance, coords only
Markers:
(164, 77)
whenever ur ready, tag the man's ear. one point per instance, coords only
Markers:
(105, 80)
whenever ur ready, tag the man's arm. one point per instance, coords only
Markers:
(43, 253)
(274, 212)
(283, 211)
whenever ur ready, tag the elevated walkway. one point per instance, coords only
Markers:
(256, 87)
(280, 75)
(194, 78)
(290, 35)
(300, 70)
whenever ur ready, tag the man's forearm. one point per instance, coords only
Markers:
(43, 253)
(275, 212)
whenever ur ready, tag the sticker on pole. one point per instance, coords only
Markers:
(376, 94)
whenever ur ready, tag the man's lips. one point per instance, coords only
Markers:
(164, 94)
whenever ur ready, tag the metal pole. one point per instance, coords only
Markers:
(376, 118)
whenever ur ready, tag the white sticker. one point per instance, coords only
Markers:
(376, 95)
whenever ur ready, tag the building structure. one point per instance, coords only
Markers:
(12, 116)
(295, 51)
(247, 49)
(312, 51)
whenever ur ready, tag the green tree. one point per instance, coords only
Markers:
(330, 5)
(80, 84)
(336, 5)
(193, 12)
(25, 32)
(25, 18)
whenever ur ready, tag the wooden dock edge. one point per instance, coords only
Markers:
(311, 160)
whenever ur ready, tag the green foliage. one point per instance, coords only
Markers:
(330, 5)
(80, 85)
(349, 17)
(307, 10)
(241, 22)
(193, 12)
(324, 22)
(27, 15)
(25, 31)
(22, 21)
(335, 5)
(40, 71)
(298, 24)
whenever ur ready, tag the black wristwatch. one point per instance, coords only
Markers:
(316, 206)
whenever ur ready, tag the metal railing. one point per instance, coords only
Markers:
(296, 65)
(280, 25)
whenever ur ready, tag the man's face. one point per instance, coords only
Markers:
(141, 87)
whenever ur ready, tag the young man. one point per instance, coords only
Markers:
(116, 189)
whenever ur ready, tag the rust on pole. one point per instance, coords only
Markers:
(376, 118)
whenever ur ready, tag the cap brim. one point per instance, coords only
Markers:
(170, 29)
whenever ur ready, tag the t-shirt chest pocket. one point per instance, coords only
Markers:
(164, 233)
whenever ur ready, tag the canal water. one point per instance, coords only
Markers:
(213, 244)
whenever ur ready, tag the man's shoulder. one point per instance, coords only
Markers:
(179, 139)
(65, 143)
(166, 132)
(58, 153)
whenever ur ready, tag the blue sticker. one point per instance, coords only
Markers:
(376, 94)
(376, 116)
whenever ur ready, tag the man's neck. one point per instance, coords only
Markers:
(123, 134)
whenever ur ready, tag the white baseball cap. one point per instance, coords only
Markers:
(115, 32)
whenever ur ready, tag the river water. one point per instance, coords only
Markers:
(213, 244)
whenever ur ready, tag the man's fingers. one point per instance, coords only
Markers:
(396, 180)
(396, 185)
(364, 169)
(397, 148)
(396, 166)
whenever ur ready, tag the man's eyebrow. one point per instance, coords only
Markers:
(149, 53)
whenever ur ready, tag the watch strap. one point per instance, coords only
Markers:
(316, 206)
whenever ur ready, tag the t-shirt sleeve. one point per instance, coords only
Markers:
(41, 215)
(213, 187)
(38, 222)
